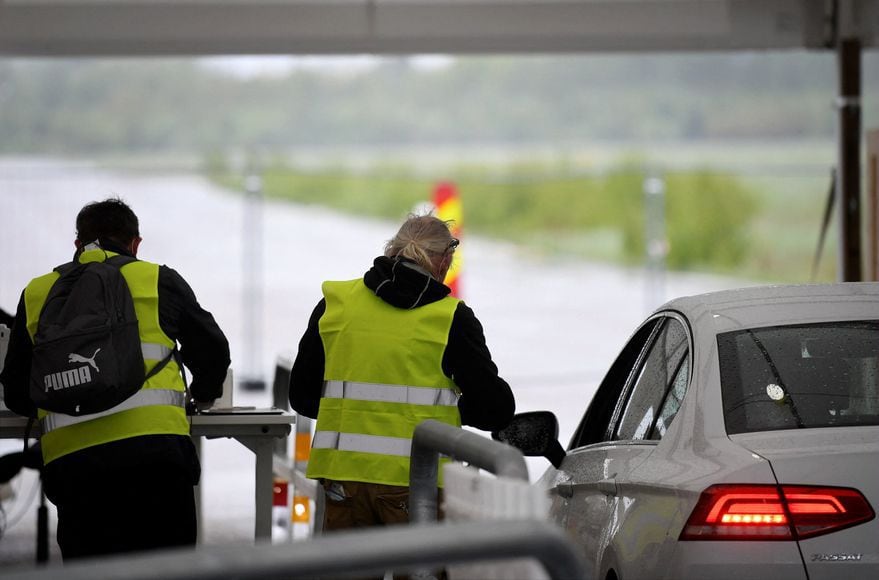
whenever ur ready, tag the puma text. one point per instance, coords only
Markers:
(67, 379)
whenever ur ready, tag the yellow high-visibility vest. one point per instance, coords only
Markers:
(157, 409)
(383, 376)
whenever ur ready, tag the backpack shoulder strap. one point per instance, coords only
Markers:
(67, 267)
(119, 260)
(174, 354)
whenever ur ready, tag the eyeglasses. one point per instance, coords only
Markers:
(454, 243)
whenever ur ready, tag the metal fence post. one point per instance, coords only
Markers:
(432, 438)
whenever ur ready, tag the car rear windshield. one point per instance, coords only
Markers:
(790, 377)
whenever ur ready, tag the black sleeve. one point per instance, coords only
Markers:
(17, 368)
(6, 318)
(307, 375)
(203, 346)
(486, 401)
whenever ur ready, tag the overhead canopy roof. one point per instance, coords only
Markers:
(199, 27)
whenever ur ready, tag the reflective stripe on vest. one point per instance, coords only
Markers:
(440, 397)
(154, 351)
(398, 446)
(142, 398)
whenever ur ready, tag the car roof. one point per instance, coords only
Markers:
(759, 306)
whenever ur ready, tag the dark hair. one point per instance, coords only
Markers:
(110, 219)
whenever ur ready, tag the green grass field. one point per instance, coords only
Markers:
(751, 210)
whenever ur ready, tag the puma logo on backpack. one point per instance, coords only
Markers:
(74, 357)
(89, 309)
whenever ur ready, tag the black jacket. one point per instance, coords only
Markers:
(486, 400)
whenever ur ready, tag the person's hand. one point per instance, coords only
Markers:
(203, 405)
(194, 407)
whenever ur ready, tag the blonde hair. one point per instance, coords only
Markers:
(421, 238)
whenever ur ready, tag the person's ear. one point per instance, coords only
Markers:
(444, 266)
(77, 243)
(135, 244)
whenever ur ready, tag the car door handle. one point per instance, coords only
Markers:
(565, 489)
(608, 486)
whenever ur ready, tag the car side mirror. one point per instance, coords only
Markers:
(535, 434)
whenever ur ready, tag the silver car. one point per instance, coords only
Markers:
(735, 436)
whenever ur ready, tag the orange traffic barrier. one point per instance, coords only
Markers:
(448, 208)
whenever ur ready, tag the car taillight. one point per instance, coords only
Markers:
(770, 512)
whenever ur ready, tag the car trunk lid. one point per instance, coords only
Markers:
(846, 457)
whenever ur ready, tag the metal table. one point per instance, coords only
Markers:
(254, 430)
(257, 432)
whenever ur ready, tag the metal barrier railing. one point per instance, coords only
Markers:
(407, 549)
(432, 438)
(340, 554)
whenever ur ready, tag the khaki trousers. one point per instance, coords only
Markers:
(354, 504)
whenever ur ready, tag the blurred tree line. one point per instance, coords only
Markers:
(84, 106)
(546, 206)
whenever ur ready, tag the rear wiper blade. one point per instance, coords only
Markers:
(787, 398)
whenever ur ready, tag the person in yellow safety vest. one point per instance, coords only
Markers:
(123, 481)
(381, 354)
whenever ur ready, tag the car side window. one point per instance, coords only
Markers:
(673, 399)
(656, 375)
(595, 425)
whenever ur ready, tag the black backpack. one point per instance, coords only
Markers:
(87, 353)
